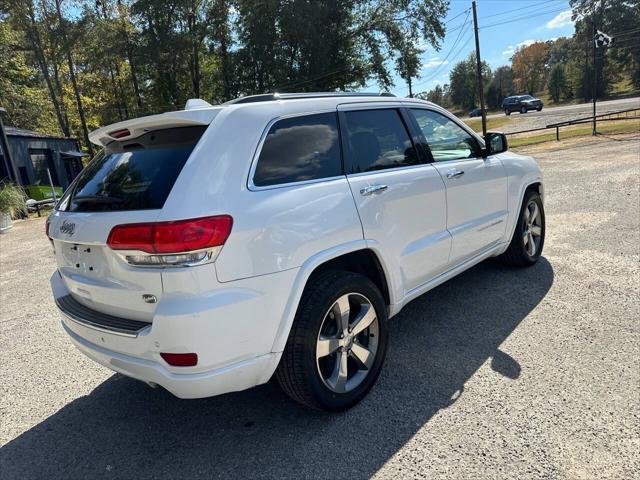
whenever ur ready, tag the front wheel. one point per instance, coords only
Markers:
(523, 109)
(539, 109)
(337, 343)
(528, 238)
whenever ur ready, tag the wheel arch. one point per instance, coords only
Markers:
(535, 185)
(355, 257)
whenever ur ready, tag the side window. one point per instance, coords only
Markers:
(377, 139)
(446, 139)
(298, 149)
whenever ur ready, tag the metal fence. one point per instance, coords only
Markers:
(629, 114)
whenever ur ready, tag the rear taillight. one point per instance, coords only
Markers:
(171, 243)
(47, 226)
(180, 359)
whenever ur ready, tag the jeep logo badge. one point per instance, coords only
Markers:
(68, 228)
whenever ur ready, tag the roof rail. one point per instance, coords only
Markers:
(268, 97)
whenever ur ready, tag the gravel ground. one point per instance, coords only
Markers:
(500, 373)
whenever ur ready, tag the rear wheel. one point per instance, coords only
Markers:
(523, 109)
(528, 238)
(507, 111)
(337, 343)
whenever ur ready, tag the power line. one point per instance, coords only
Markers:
(453, 46)
(517, 19)
(437, 72)
(506, 12)
(459, 14)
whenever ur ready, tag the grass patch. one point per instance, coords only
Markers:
(492, 123)
(44, 212)
(622, 126)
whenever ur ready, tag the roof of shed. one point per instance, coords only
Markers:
(22, 132)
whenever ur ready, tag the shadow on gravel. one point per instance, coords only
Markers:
(124, 429)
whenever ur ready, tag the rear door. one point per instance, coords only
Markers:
(400, 197)
(128, 182)
(476, 187)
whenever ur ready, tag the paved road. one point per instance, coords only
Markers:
(500, 373)
(582, 109)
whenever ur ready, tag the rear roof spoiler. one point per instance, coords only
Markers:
(197, 114)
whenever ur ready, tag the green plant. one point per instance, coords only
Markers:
(12, 200)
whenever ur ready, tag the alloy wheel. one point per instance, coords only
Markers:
(347, 343)
(532, 234)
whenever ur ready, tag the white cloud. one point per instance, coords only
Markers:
(434, 62)
(561, 20)
(510, 50)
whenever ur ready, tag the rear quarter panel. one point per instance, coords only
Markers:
(274, 229)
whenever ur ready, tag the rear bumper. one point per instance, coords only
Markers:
(232, 329)
(233, 378)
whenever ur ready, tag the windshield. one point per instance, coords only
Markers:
(527, 97)
(137, 174)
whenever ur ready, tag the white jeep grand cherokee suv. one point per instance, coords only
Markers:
(208, 249)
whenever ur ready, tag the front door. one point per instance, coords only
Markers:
(476, 187)
(400, 198)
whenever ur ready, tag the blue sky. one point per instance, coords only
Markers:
(520, 22)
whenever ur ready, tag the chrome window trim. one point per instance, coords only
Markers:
(254, 161)
(393, 169)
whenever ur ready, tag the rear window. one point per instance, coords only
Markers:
(135, 174)
(299, 149)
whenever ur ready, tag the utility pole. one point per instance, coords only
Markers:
(595, 76)
(479, 70)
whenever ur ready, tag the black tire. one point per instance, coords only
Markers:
(517, 254)
(507, 111)
(298, 372)
(523, 109)
(539, 109)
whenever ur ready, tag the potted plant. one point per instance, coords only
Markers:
(12, 203)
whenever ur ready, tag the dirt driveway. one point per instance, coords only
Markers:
(500, 373)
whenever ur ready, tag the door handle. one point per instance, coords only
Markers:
(371, 189)
(455, 173)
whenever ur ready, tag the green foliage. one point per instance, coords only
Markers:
(501, 86)
(464, 84)
(89, 63)
(12, 199)
(21, 92)
(557, 84)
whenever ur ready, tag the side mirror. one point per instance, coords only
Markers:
(495, 142)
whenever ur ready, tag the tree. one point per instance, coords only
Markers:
(463, 82)
(619, 19)
(501, 86)
(529, 64)
(62, 24)
(101, 61)
(557, 83)
(408, 62)
(22, 90)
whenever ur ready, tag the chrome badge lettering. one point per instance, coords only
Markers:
(68, 228)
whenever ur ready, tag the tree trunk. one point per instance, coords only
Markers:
(36, 41)
(129, 50)
(74, 83)
(121, 100)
